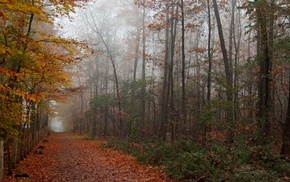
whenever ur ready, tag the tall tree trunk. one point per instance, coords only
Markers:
(228, 70)
(81, 103)
(143, 91)
(9, 157)
(237, 42)
(165, 87)
(94, 123)
(173, 27)
(285, 150)
(138, 37)
(265, 73)
(209, 65)
(231, 44)
(1, 159)
(94, 119)
(138, 33)
(231, 33)
(183, 64)
(249, 74)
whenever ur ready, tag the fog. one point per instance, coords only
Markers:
(57, 125)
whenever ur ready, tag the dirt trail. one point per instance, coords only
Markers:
(68, 157)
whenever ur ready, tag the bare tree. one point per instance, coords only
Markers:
(94, 27)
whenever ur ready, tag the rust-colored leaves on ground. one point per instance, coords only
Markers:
(67, 157)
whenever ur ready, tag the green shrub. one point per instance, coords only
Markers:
(240, 155)
(186, 145)
(157, 154)
(118, 145)
(186, 160)
(252, 176)
(189, 165)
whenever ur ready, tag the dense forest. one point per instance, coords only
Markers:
(201, 87)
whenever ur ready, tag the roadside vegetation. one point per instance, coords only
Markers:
(215, 161)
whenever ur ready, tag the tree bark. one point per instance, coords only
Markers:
(1, 159)
(209, 66)
(81, 103)
(138, 32)
(165, 88)
(183, 64)
(285, 150)
(143, 89)
(265, 73)
(228, 69)
(173, 27)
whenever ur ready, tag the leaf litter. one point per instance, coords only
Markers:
(67, 157)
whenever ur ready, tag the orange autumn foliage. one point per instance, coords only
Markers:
(34, 62)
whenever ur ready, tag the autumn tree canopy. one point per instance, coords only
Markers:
(35, 62)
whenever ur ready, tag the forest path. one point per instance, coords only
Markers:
(68, 157)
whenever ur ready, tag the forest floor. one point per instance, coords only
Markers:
(69, 157)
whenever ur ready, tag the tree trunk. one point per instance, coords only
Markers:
(231, 33)
(9, 157)
(138, 32)
(1, 159)
(170, 73)
(143, 89)
(94, 124)
(237, 42)
(209, 65)
(138, 37)
(228, 71)
(183, 64)
(265, 74)
(81, 103)
(165, 88)
(285, 150)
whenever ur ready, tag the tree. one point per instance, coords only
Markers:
(209, 55)
(33, 68)
(95, 28)
(183, 62)
(228, 69)
(143, 101)
(264, 49)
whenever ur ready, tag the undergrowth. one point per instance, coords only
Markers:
(187, 161)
